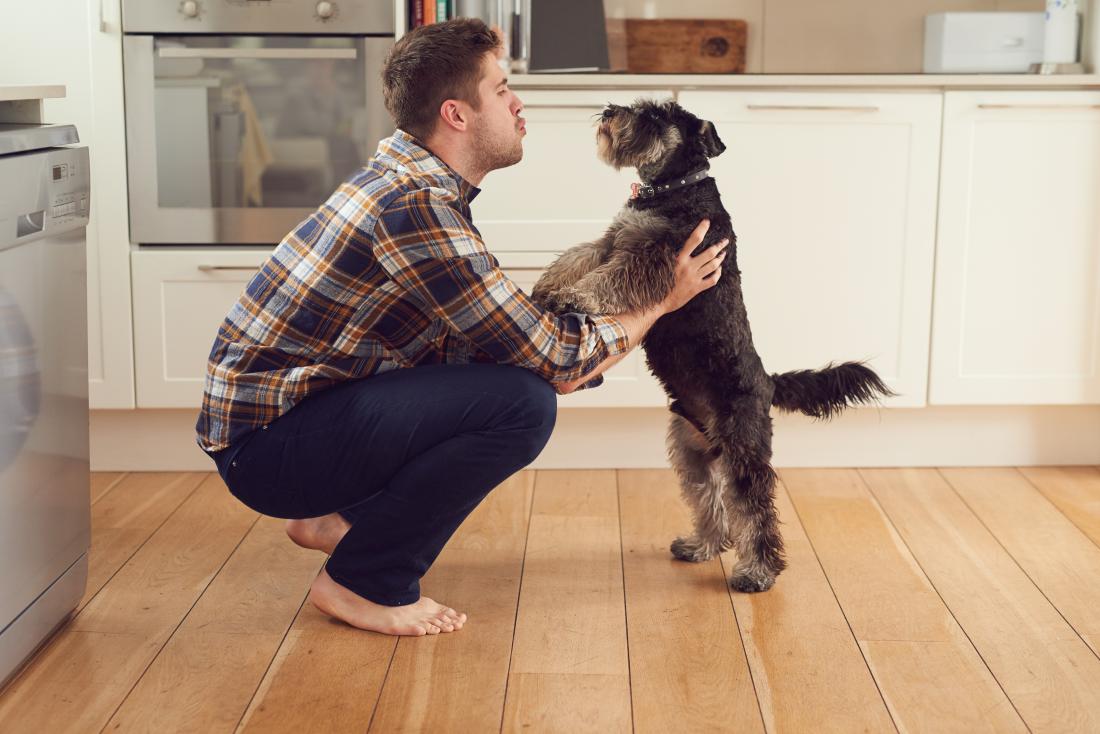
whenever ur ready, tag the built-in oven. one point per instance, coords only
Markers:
(242, 116)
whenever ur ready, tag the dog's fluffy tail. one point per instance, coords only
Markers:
(826, 392)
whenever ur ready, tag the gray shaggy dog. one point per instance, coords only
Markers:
(720, 430)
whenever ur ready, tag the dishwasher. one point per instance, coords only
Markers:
(45, 503)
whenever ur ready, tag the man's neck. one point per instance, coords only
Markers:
(454, 155)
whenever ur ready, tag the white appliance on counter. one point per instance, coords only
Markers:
(44, 479)
(989, 42)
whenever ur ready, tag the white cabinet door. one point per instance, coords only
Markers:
(1018, 262)
(627, 384)
(180, 300)
(833, 199)
(560, 194)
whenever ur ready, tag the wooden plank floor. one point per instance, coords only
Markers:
(916, 600)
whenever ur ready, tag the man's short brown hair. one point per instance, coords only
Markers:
(433, 63)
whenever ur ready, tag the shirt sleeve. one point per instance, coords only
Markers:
(427, 245)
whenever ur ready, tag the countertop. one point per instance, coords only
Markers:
(780, 81)
(11, 94)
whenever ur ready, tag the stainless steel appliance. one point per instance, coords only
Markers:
(44, 493)
(242, 116)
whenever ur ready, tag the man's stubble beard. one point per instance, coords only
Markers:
(491, 154)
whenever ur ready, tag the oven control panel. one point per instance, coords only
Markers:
(324, 17)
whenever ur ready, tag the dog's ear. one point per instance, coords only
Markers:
(712, 144)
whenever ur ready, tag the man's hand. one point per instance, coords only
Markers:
(695, 274)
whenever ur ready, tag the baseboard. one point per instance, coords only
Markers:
(606, 438)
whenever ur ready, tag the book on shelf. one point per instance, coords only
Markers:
(426, 12)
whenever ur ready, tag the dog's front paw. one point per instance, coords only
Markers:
(691, 550)
(571, 300)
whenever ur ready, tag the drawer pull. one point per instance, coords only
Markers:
(1039, 106)
(208, 268)
(816, 108)
(552, 106)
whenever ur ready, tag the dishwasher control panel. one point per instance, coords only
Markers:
(43, 192)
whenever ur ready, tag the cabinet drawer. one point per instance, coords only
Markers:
(180, 300)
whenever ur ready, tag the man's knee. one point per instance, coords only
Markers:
(539, 402)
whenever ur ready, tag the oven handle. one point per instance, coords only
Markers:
(174, 52)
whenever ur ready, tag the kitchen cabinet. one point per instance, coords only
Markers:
(833, 198)
(1017, 299)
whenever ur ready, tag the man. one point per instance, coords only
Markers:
(380, 375)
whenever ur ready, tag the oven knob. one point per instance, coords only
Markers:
(190, 8)
(325, 9)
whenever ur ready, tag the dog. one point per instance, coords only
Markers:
(720, 430)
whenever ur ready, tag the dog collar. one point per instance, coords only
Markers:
(648, 191)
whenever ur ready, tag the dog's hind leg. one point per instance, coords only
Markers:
(754, 524)
(701, 488)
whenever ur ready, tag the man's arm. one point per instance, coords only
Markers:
(693, 274)
(636, 324)
(425, 244)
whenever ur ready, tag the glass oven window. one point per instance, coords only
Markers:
(257, 121)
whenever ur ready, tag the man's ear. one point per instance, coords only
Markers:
(712, 144)
(453, 114)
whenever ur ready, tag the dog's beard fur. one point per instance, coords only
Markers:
(620, 146)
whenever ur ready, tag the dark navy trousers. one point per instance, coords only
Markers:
(404, 455)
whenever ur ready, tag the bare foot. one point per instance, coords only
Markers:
(318, 533)
(423, 617)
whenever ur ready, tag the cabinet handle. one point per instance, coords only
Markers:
(829, 108)
(173, 52)
(550, 106)
(208, 268)
(1039, 106)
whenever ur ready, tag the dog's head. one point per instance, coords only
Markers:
(655, 137)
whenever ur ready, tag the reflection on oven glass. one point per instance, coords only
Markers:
(258, 122)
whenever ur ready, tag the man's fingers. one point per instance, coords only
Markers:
(696, 235)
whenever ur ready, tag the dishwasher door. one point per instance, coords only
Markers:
(44, 472)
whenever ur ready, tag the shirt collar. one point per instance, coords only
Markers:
(403, 150)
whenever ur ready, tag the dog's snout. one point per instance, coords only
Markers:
(610, 111)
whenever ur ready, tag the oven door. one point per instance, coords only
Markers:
(236, 139)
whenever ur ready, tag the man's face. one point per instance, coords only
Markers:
(497, 129)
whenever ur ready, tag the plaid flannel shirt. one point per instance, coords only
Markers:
(388, 273)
